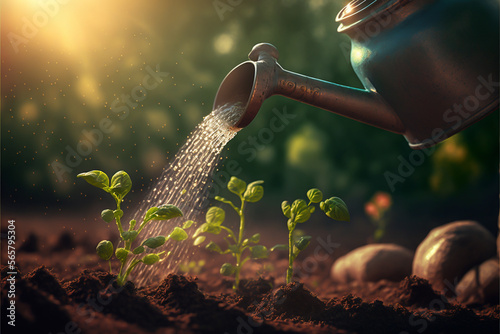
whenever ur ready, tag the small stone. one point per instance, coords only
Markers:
(449, 251)
(66, 241)
(498, 237)
(31, 244)
(498, 245)
(480, 284)
(372, 263)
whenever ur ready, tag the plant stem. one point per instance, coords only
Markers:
(117, 218)
(242, 221)
(289, 271)
(240, 241)
(237, 272)
(229, 232)
(121, 269)
(122, 279)
(110, 270)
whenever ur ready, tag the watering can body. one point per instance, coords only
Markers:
(435, 63)
(429, 69)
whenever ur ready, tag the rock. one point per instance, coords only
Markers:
(372, 263)
(31, 244)
(480, 284)
(449, 251)
(498, 245)
(498, 237)
(65, 242)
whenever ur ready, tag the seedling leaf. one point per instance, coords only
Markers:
(150, 259)
(255, 238)
(121, 254)
(178, 234)
(236, 185)
(254, 192)
(154, 242)
(199, 240)
(132, 225)
(107, 215)
(234, 249)
(150, 213)
(279, 247)
(138, 250)
(315, 195)
(335, 208)
(167, 211)
(259, 252)
(215, 216)
(105, 249)
(121, 184)
(129, 235)
(285, 207)
(205, 227)
(227, 269)
(118, 213)
(300, 211)
(187, 224)
(303, 242)
(96, 178)
(212, 246)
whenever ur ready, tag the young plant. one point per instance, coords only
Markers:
(118, 188)
(237, 244)
(192, 267)
(300, 212)
(377, 208)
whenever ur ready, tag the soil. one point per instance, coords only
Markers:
(66, 289)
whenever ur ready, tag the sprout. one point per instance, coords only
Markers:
(237, 244)
(300, 212)
(120, 186)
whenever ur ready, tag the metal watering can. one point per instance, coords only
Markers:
(430, 69)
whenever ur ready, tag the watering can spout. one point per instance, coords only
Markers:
(430, 69)
(253, 81)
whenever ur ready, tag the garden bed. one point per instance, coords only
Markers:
(64, 290)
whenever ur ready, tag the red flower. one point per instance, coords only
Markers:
(383, 200)
(372, 210)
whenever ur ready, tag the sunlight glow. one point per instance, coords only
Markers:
(224, 44)
(348, 9)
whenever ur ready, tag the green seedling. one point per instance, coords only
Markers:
(192, 267)
(118, 188)
(300, 212)
(237, 244)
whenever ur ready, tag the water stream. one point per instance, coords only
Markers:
(185, 183)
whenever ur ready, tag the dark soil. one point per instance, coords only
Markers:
(291, 301)
(415, 291)
(50, 299)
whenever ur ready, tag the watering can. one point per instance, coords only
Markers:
(430, 68)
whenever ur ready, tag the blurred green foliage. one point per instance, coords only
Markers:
(65, 79)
